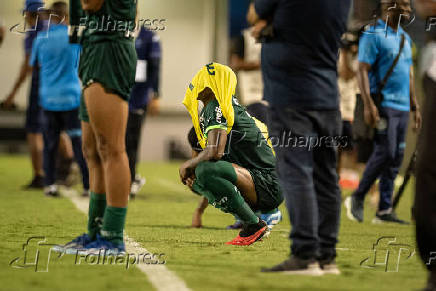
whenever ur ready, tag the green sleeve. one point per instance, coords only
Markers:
(213, 117)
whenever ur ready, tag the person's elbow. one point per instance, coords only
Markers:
(214, 153)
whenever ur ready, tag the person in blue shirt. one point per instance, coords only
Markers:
(299, 67)
(34, 25)
(59, 93)
(143, 98)
(379, 45)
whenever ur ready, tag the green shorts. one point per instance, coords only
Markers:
(110, 63)
(269, 193)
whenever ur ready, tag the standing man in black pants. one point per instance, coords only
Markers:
(144, 98)
(300, 74)
(425, 200)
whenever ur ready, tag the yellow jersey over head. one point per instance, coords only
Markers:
(222, 81)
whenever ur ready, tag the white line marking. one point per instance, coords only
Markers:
(159, 276)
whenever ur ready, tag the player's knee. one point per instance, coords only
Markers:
(109, 150)
(91, 155)
(205, 170)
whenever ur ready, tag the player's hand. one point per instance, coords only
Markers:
(153, 107)
(185, 171)
(190, 181)
(417, 118)
(258, 27)
(9, 101)
(196, 218)
(371, 114)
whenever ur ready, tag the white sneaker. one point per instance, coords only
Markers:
(137, 184)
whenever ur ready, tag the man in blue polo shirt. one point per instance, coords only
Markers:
(300, 74)
(379, 46)
(59, 93)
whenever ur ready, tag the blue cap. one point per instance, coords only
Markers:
(33, 5)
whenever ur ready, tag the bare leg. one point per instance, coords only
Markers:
(36, 144)
(108, 118)
(95, 166)
(65, 147)
(245, 185)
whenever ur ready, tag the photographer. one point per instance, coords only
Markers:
(299, 66)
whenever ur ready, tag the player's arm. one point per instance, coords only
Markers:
(25, 71)
(260, 12)
(414, 102)
(216, 144)
(91, 5)
(198, 213)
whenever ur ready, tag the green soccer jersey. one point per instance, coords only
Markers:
(115, 20)
(246, 145)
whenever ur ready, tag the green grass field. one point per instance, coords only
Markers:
(159, 220)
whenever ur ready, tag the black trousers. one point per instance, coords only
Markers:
(53, 123)
(305, 143)
(425, 199)
(133, 137)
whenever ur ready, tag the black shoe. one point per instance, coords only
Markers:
(36, 183)
(329, 267)
(388, 217)
(297, 266)
(85, 193)
(354, 208)
(250, 229)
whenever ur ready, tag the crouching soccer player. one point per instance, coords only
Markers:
(271, 217)
(235, 171)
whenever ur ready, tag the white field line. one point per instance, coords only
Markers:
(159, 276)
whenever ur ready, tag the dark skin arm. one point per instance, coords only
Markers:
(214, 150)
(25, 71)
(91, 5)
(254, 20)
(239, 64)
(371, 113)
(217, 139)
(198, 213)
(202, 205)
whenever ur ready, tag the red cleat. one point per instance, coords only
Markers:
(250, 234)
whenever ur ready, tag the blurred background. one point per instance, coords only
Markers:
(195, 32)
